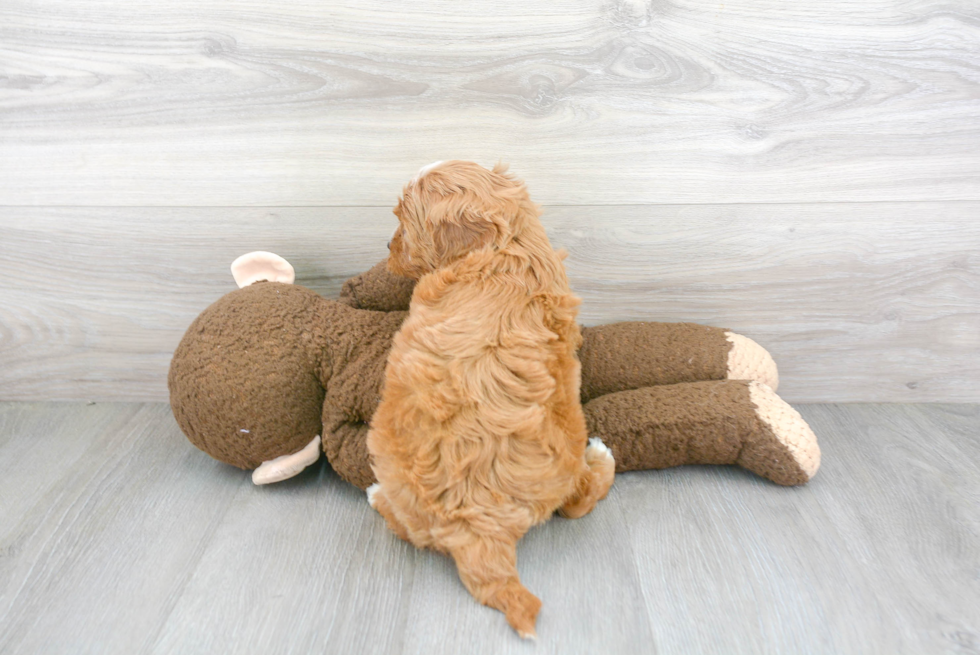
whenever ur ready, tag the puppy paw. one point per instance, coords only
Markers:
(602, 464)
(597, 451)
(597, 448)
(372, 491)
(747, 360)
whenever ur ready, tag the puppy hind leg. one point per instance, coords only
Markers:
(488, 569)
(594, 482)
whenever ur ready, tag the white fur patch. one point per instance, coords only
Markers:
(596, 444)
(598, 448)
(372, 491)
(426, 169)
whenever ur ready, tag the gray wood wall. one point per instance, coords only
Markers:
(805, 173)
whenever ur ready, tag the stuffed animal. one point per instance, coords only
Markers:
(273, 372)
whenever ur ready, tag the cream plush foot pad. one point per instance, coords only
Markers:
(260, 265)
(747, 360)
(788, 427)
(286, 466)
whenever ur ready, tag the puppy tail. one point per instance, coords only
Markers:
(488, 569)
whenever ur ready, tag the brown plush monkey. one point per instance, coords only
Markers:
(272, 372)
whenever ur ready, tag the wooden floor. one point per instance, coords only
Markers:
(116, 536)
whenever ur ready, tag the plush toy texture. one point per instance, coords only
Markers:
(221, 392)
(712, 422)
(261, 371)
(379, 290)
(268, 367)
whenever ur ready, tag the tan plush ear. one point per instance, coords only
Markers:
(260, 265)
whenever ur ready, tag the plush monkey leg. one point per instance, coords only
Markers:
(714, 422)
(633, 355)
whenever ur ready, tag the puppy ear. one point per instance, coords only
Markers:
(454, 238)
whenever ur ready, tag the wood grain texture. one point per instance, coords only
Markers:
(860, 302)
(95, 300)
(99, 554)
(891, 515)
(252, 103)
(116, 536)
(857, 302)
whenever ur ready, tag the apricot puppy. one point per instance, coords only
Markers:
(480, 432)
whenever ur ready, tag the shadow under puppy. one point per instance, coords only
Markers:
(480, 433)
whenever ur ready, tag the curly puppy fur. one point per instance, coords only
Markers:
(480, 433)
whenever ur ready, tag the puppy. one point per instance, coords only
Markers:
(480, 433)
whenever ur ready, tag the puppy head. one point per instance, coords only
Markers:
(451, 209)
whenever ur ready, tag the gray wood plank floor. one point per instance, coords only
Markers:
(116, 536)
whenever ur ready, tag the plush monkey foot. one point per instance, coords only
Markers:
(747, 360)
(784, 432)
(287, 466)
(739, 422)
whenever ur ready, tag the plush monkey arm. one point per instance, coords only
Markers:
(378, 289)
(715, 422)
